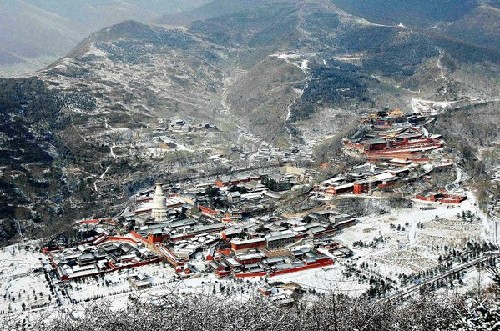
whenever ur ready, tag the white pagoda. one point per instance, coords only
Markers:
(159, 210)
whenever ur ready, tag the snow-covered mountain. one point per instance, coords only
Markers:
(37, 32)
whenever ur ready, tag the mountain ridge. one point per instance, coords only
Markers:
(39, 31)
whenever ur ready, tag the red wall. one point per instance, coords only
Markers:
(237, 246)
(318, 264)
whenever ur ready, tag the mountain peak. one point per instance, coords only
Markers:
(125, 29)
(129, 29)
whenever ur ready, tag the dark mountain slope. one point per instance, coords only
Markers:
(481, 27)
(420, 13)
(215, 8)
(32, 184)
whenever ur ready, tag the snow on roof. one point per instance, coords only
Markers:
(232, 262)
(334, 180)
(250, 256)
(247, 241)
(274, 259)
(281, 235)
(399, 160)
(344, 186)
(251, 196)
(384, 176)
(78, 268)
(299, 229)
(128, 256)
(317, 229)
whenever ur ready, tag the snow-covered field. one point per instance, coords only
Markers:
(329, 279)
(411, 240)
(22, 282)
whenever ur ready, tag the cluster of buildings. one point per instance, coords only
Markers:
(266, 259)
(102, 254)
(225, 199)
(392, 135)
(274, 246)
(398, 150)
(226, 225)
(181, 125)
(229, 225)
(273, 154)
(282, 294)
(242, 239)
(442, 196)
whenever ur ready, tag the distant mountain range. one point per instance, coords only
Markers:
(37, 32)
(320, 55)
(476, 21)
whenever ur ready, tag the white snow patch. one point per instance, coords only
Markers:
(295, 59)
(93, 50)
(304, 65)
(430, 107)
(105, 172)
(327, 280)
